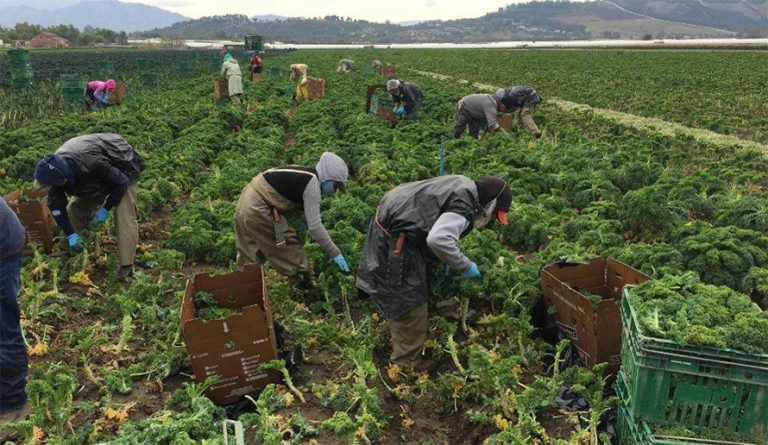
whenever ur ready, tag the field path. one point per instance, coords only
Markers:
(666, 128)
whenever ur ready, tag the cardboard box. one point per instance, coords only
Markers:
(316, 88)
(255, 77)
(32, 208)
(221, 89)
(506, 121)
(390, 72)
(594, 331)
(118, 94)
(388, 115)
(232, 347)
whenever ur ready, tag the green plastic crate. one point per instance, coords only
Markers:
(381, 101)
(21, 83)
(18, 56)
(633, 432)
(694, 386)
(72, 99)
(73, 81)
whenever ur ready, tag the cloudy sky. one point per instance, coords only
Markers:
(380, 10)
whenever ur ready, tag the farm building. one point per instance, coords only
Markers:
(47, 40)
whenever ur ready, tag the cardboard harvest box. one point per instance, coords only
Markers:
(390, 72)
(232, 347)
(221, 88)
(32, 208)
(594, 331)
(506, 121)
(316, 88)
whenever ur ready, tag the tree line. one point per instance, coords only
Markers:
(87, 37)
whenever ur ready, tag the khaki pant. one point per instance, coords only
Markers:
(81, 212)
(255, 230)
(526, 118)
(409, 331)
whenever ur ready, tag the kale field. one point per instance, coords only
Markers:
(108, 364)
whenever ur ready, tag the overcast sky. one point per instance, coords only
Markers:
(380, 10)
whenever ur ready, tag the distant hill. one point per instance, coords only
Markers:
(733, 15)
(111, 14)
(538, 20)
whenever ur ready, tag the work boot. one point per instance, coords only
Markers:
(124, 272)
(12, 417)
(537, 135)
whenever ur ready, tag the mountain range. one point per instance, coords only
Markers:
(111, 14)
(538, 20)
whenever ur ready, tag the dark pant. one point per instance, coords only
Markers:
(410, 116)
(13, 352)
(462, 121)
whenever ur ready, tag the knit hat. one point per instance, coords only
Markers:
(227, 57)
(332, 167)
(109, 84)
(51, 171)
(492, 187)
(393, 84)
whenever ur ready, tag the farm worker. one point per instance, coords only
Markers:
(230, 70)
(378, 67)
(255, 65)
(407, 96)
(261, 230)
(97, 93)
(298, 70)
(523, 98)
(99, 172)
(13, 352)
(417, 224)
(345, 65)
(477, 110)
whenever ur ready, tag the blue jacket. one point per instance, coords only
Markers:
(11, 231)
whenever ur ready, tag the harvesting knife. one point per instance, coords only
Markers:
(279, 234)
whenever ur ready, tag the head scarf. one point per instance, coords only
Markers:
(332, 167)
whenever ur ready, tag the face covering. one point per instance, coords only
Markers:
(482, 219)
(327, 187)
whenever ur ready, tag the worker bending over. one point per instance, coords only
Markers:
(262, 232)
(417, 224)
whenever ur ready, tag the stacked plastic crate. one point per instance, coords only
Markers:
(673, 394)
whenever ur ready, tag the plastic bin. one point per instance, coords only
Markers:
(73, 81)
(695, 386)
(633, 432)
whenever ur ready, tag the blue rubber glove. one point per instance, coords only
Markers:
(74, 243)
(302, 226)
(341, 262)
(399, 110)
(472, 272)
(447, 271)
(101, 216)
